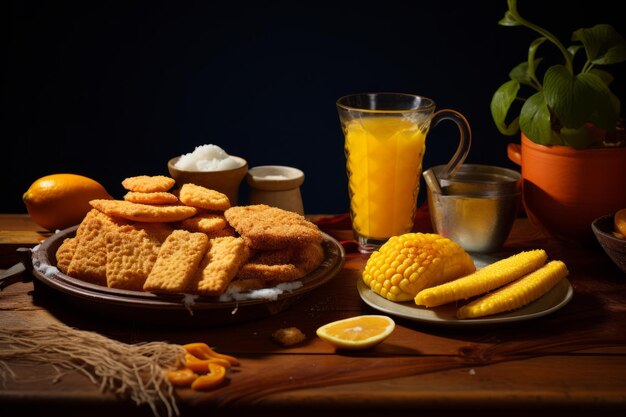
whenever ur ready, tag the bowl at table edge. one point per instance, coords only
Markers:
(615, 247)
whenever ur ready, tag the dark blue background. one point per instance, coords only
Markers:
(115, 89)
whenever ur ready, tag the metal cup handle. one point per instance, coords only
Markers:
(465, 139)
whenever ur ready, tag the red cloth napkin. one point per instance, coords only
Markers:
(341, 225)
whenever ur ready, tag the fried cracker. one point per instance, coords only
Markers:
(283, 265)
(143, 212)
(266, 227)
(148, 184)
(177, 262)
(220, 265)
(205, 223)
(132, 251)
(90, 258)
(158, 197)
(65, 253)
(201, 197)
(227, 231)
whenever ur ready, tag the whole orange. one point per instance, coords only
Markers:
(620, 221)
(59, 201)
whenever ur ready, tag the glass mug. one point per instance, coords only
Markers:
(385, 135)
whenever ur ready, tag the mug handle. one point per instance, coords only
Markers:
(465, 139)
(514, 152)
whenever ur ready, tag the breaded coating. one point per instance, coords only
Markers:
(201, 197)
(220, 265)
(177, 262)
(283, 265)
(132, 251)
(148, 184)
(205, 223)
(159, 197)
(143, 212)
(267, 228)
(65, 253)
(227, 231)
(90, 258)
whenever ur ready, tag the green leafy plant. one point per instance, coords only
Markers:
(569, 104)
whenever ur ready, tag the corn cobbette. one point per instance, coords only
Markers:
(408, 263)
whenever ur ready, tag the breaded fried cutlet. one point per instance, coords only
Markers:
(266, 228)
(283, 265)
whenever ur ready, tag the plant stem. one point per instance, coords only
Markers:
(549, 36)
(587, 67)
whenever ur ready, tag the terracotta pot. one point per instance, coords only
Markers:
(565, 189)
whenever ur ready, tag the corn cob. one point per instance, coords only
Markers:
(486, 279)
(516, 294)
(407, 263)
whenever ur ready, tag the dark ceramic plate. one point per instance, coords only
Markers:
(175, 309)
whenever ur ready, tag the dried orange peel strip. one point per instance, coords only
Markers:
(182, 377)
(204, 368)
(216, 375)
(201, 366)
(203, 351)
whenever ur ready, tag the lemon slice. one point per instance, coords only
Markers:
(360, 332)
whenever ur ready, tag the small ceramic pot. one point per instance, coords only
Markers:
(276, 186)
(565, 189)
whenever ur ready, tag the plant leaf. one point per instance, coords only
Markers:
(508, 20)
(605, 76)
(578, 99)
(500, 104)
(573, 49)
(534, 119)
(532, 50)
(521, 74)
(602, 43)
(579, 138)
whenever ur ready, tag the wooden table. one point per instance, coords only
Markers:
(572, 362)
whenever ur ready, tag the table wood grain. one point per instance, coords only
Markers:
(572, 362)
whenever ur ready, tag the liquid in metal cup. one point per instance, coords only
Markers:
(474, 179)
(481, 218)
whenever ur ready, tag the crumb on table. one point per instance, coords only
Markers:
(288, 336)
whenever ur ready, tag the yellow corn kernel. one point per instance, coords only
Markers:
(407, 263)
(486, 279)
(516, 294)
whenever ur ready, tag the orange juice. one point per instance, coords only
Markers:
(384, 163)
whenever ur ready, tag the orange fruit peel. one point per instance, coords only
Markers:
(59, 201)
(619, 221)
(357, 333)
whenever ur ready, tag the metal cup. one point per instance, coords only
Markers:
(480, 211)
